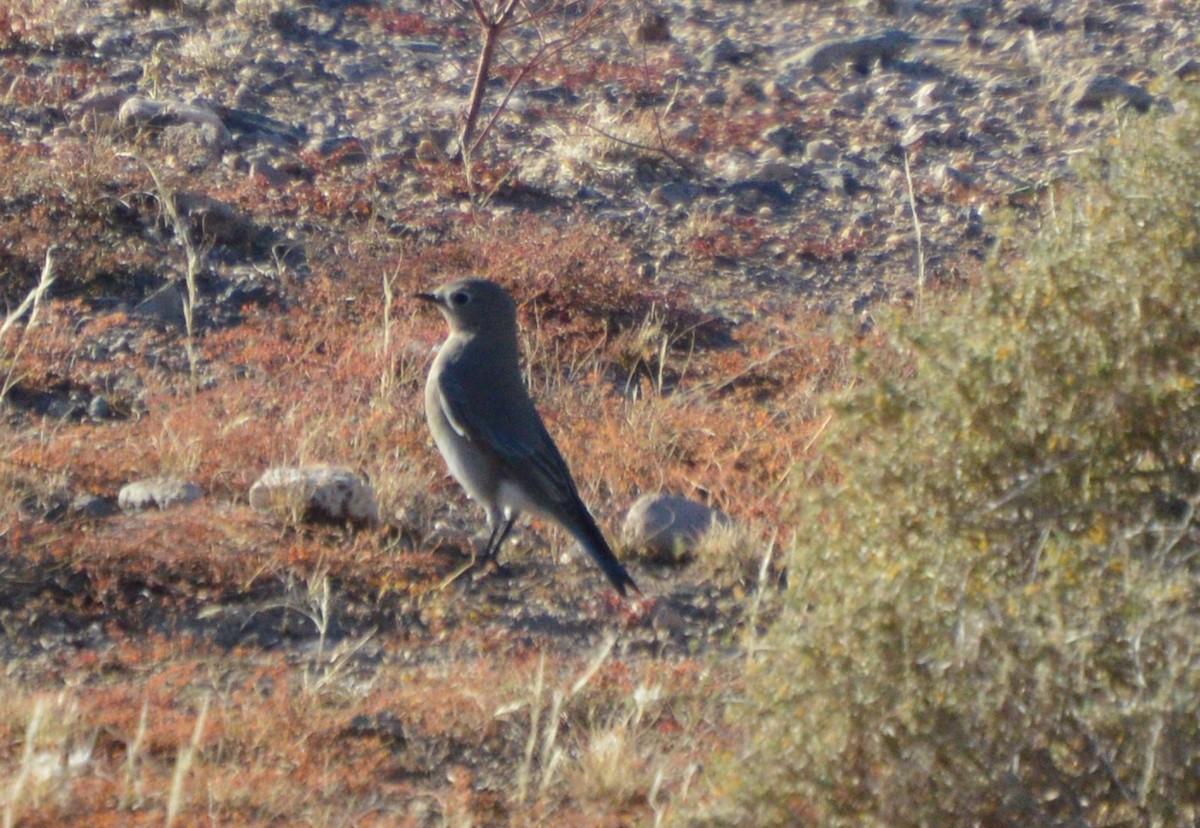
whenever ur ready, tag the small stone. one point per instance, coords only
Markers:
(162, 492)
(197, 144)
(674, 194)
(217, 221)
(686, 134)
(752, 193)
(1104, 88)
(139, 111)
(164, 307)
(654, 28)
(1035, 17)
(98, 408)
(724, 51)
(668, 528)
(778, 171)
(66, 407)
(428, 151)
(862, 52)
(752, 89)
(783, 138)
(102, 99)
(343, 150)
(1187, 70)
(317, 493)
(974, 15)
(423, 46)
(261, 168)
(92, 506)
(822, 150)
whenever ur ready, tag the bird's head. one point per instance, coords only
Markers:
(474, 306)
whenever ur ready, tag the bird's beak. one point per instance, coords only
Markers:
(428, 297)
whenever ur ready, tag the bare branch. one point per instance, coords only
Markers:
(548, 49)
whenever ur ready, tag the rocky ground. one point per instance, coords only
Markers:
(752, 164)
(693, 201)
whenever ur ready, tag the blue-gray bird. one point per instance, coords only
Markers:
(488, 430)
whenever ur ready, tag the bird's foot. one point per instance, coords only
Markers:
(490, 566)
(479, 568)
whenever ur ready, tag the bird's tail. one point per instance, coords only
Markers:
(592, 540)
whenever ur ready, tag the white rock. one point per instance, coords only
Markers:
(668, 527)
(323, 493)
(162, 492)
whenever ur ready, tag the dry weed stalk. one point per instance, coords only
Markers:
(912, 206)
(494, 19)
(54, 754)
(387, 377)
(16, 791)
(184, 761)
(196, 255)
(550, 755)
(31, 303)
(131, 796)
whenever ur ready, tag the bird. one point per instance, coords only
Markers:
(489, 432)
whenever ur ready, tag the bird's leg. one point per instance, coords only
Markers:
(501, 526)
(500, 530)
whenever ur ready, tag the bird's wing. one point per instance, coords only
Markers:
(509, 427)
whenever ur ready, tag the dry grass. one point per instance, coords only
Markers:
(235, 669)
(211, 665)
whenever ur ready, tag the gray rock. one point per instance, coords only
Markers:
(752, 193)
(216, 221)
(102, 99)
(139, 111)
(317, 493)
(424, 46)
(975, 15)
(822, 150)
(161, 492)
(199, 145)
(862, 52)
(344, 149)
(262, 168)
(98, 408)
(164, 307)
(724, 51)
(1094, 94)
(784, 138)
(70, 406)
(1035, 17)
(654, 27)
(668, 528)
(1188, 70)
(92, 506)
(674, 194)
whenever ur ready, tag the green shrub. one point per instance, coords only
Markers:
(994, 617)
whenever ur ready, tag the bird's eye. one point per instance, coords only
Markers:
(459, 298)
